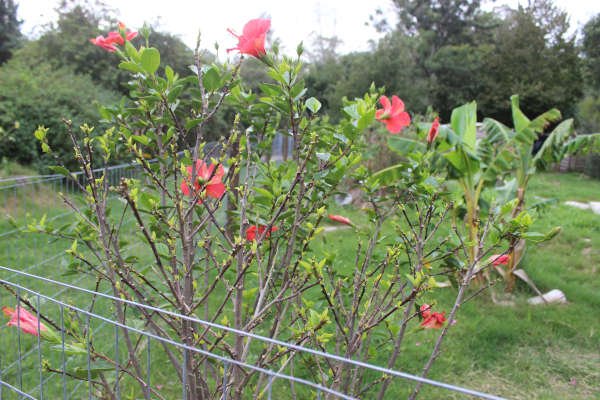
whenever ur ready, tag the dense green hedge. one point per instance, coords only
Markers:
(34, 95)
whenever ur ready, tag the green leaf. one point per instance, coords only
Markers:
(313, 104)
(163, 250)
(40, 133)
(388, 175)
(352, 111)
(192, 123)
(130, 66)
(535, 237)
(71, 349)
(211, 79)
(60, 170)
(519, 119)
(403, 145)
(141, 139)
(553, 150)
(464, 124)
(150, 60)
(82, 373)
(464, 162)
(264, 192)
(132, 52)
(341, 138)
(174, 93)
(169, 73)
(324, 156)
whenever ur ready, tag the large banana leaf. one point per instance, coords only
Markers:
(583, 144)
(464, 123)
(464, 157)
(527, 131)
(404, 145)
(553, 148)
(496, 150)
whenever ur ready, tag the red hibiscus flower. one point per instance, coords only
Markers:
(340, 219)
(393, 115)
(254, 231)
(208, 181)
(433, 131)
(22, 318)
(499, 259)
(435, 320)
(252, 39)
(105, 43)
(425, 311)
(114, 38)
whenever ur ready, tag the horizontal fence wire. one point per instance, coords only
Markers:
(7, 274)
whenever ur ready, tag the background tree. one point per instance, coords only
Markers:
(10, 33)
(66, 43)
(532, 56)
(391, 64)
(591, 51)
(446, 42)
(35, 94)
(440, 22)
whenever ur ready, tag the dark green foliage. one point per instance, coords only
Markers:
(390, 65)
(458, 75)
(592, 166)
(445, 53)
(442, 22)
(67, 43)
(588, 113)
(38, 94)
(10, 35)
(538, 62)
(591, 50)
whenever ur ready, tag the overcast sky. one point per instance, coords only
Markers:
(346, 19)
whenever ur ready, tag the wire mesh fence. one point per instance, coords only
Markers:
(89, 352)
(73, 369)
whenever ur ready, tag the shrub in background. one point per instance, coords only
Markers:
(37, 94)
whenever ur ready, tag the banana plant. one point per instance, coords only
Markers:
(561, 142)
(474, 164)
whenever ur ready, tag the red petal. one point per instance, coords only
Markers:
(251, 233)
(397, 105)
(215, 190)
(256, 27)
(385, 102)
(425, 311)
(340, 219)
(8, 311)
(185, 189)
(397, 123)
(433, 131)
(130, 35)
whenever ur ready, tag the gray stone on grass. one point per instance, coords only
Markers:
(554, 296)
(577, 204)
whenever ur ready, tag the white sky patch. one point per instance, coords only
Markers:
(292, 22)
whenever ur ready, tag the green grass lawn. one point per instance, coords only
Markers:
(520, 351)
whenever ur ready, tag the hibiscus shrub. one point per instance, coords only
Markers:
(232, 237)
